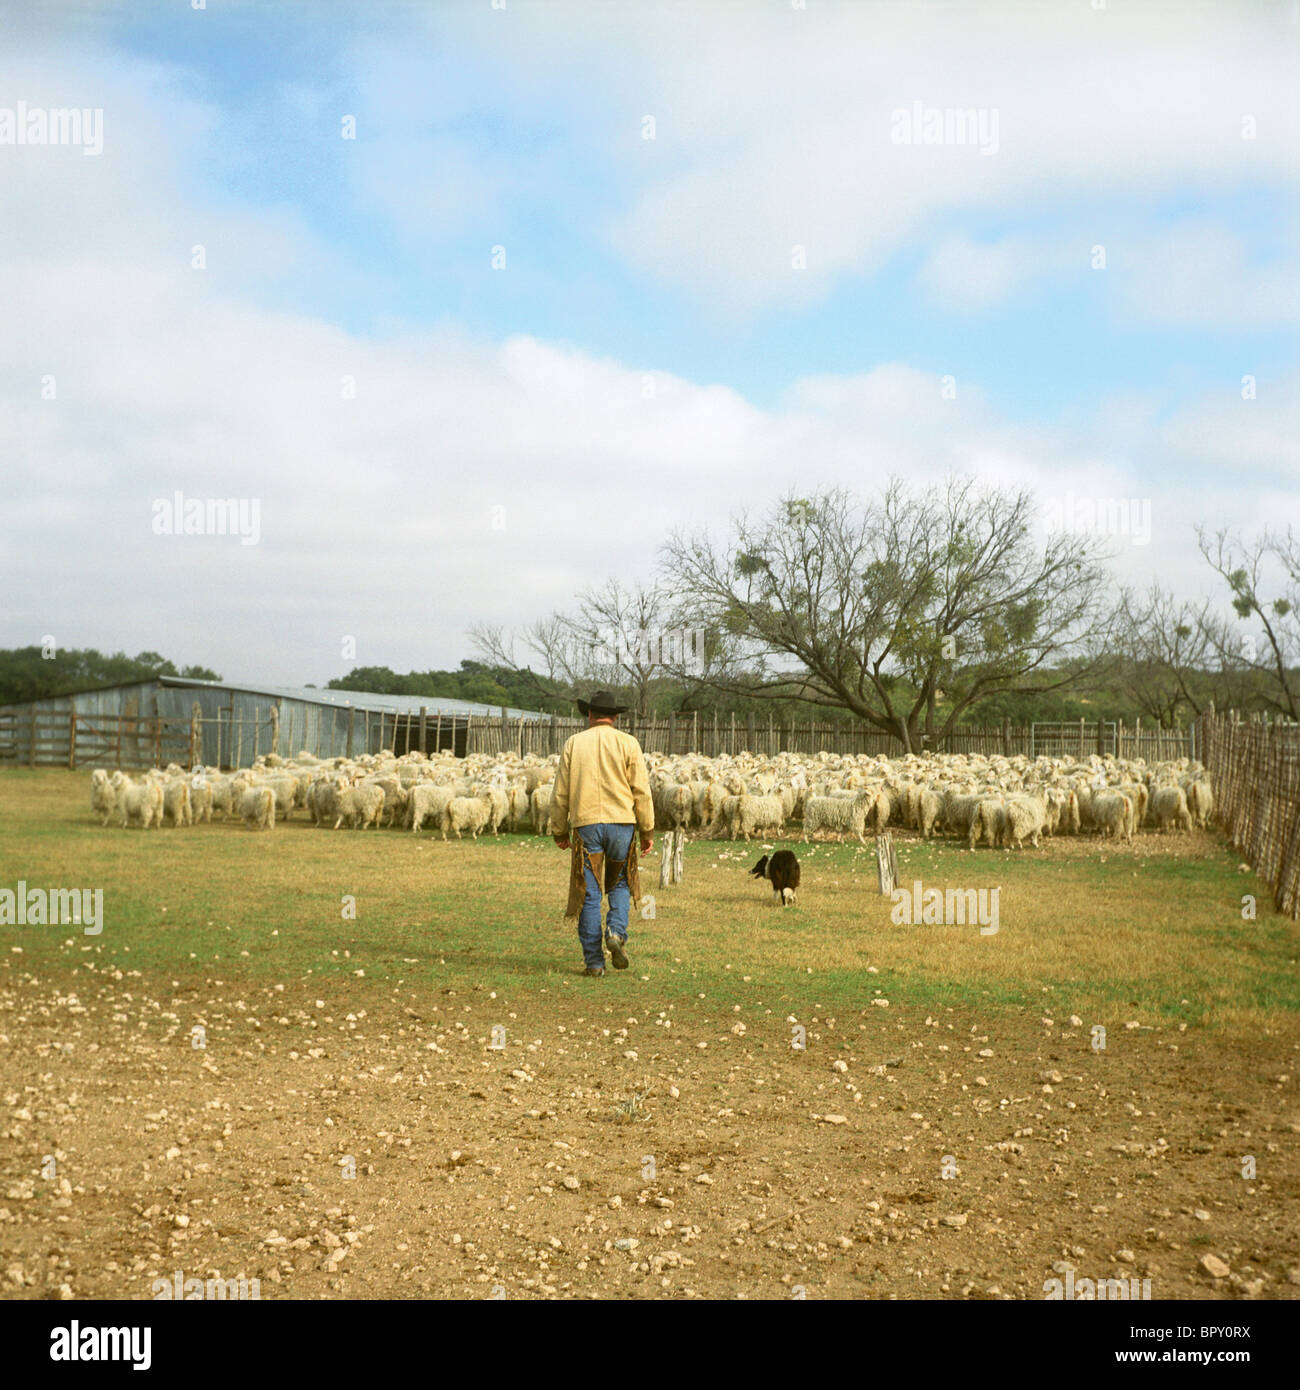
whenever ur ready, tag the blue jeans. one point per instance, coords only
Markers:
(615, 843)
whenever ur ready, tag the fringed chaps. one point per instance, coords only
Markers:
(582, 859)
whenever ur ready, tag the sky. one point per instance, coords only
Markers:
(479, 302)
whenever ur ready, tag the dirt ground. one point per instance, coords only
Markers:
(748, 1168)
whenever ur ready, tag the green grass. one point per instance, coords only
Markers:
(1118, 934)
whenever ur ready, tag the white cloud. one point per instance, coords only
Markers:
(1191, 273)
(377, 511)
(779, 134)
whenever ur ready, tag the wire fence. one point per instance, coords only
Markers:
(1254, 769)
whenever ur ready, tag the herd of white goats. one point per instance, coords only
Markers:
(999, 801)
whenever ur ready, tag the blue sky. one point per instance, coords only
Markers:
(558, 192)
(627, 260)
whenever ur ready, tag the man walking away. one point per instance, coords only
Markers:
(602, 790)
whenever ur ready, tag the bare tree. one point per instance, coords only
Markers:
(544, 639)
(615, 638)
(887, 609)
(1164, 647)
(1244, 566)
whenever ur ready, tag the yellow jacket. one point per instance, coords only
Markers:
(601, 779)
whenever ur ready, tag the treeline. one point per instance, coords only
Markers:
(526, 689)
(475, 680)
(25, 674)
(39, 673)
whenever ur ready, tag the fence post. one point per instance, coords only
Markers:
(672, 731)
(32, 739)
(886, 862)
(275, 729)
(352, 714)
(424, 724)
(72, 737)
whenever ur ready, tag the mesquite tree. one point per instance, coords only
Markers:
(903, 610)
(1272, 560)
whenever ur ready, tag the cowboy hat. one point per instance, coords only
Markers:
(602, 702)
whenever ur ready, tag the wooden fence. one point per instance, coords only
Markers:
(68, 739)
(713, 735)
(1255, 771)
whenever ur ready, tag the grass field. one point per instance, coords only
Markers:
(329, 1036)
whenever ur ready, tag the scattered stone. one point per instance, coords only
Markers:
(1214, 1266)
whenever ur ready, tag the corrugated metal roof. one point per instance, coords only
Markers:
(357, 699)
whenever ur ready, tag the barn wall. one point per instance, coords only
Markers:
(119, 727)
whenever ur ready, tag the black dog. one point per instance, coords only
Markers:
(782, 871)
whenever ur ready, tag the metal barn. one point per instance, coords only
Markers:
(174, 719)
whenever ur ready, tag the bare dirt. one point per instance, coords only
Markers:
(749, 1169)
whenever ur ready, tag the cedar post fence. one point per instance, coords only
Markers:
(1254, 768)
(69, 738)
